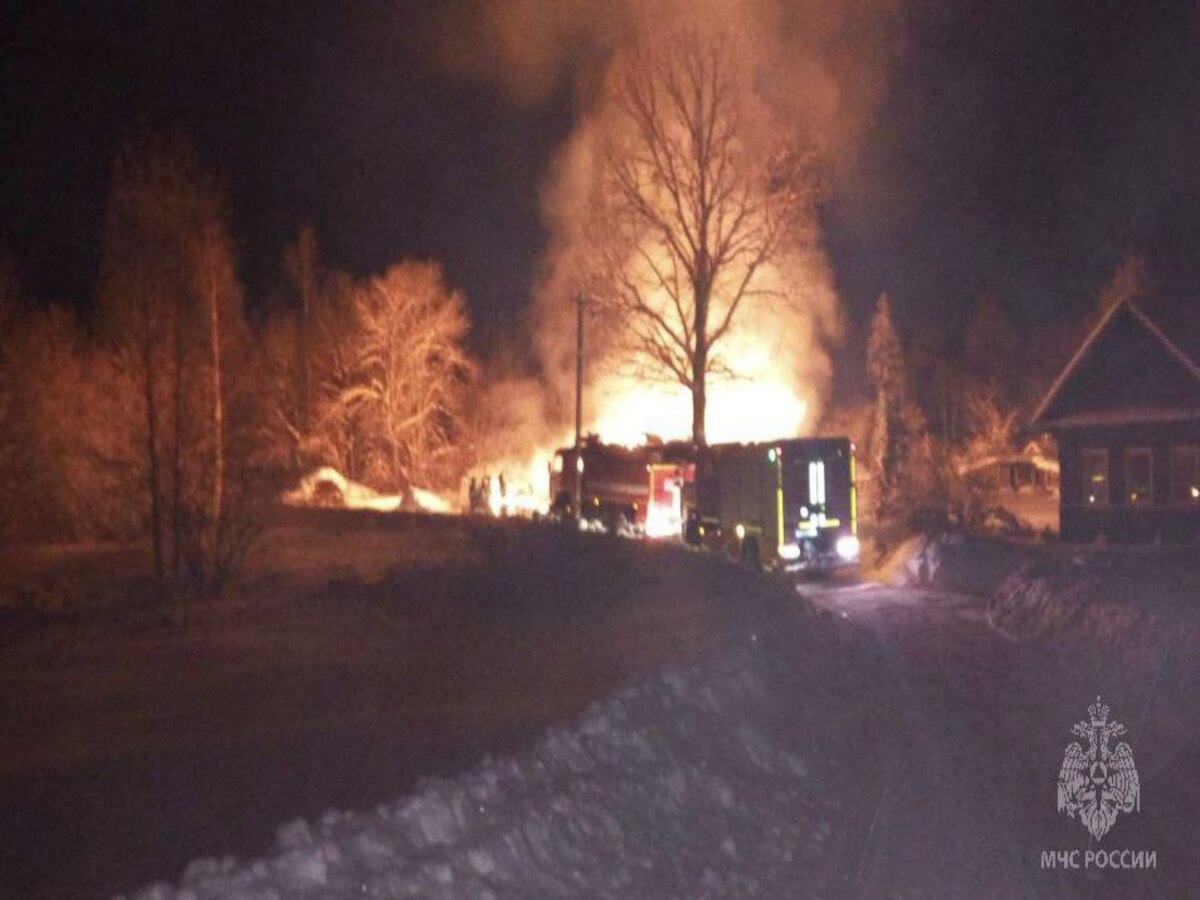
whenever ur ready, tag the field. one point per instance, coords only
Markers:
(358, 653)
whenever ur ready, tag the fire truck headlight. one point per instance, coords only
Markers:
(740, 531)
(847, 547)
(789, 551)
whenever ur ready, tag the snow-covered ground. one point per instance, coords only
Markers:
(963, 563)
(1129, 609)
(751, 738)
(1125, 618)
(679, 786)
(358, 653)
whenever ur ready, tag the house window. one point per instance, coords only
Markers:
(1095, 477)
(1139, 476)
(1185, 474)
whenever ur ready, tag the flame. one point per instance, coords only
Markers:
(773, 396)
(738, 411)
(767, 397)
(526, 482)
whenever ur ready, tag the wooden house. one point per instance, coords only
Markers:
(1125, 413)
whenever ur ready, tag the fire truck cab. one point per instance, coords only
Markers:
(789, 504)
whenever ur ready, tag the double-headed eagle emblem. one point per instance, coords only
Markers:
(1098, 783)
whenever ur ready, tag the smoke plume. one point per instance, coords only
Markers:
(821, 66)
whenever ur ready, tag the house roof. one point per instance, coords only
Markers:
(1187, 366)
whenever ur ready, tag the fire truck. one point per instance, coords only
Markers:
(788, 504)
(613, 481)
(670, 480)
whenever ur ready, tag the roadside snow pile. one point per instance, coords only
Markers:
(962, 563)
(672, 788)
(1137, 605)
(328, 487)
(1119, 621)
(1134, 605)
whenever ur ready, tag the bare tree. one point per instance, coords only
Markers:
(698, 197)
(222, 350)
(302, 262)
(281, 391)
(317, 429)
(144, 295)
(170, 301)
(308, 361)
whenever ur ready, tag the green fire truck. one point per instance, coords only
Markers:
(789, 504)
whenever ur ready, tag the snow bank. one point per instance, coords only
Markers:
(676, 787)
(1124, 622)
(1131, 606)
(1124, 617)
(962, 563)
(1135, 606)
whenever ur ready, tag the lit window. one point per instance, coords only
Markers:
(1185, 474)
(1139, 476)
(1095, 477)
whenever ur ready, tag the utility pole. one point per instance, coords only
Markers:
(579, 302)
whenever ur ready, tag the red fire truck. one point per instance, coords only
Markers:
(670, 478)
(613, 482)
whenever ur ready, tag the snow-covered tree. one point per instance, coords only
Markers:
(902, 454)
(411, 371)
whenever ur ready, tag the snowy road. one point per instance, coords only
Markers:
(958, 798)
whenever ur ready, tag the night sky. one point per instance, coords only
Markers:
(1021, 149)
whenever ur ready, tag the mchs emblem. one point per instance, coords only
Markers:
(1097, 783)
